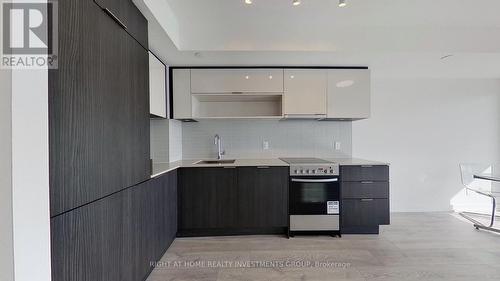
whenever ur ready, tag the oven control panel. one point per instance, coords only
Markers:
(314, 170)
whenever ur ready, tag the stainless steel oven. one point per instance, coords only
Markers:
(314, 196)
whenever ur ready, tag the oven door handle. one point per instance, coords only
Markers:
(313, 181)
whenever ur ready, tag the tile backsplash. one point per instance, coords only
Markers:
(166, 140)
(245, 138)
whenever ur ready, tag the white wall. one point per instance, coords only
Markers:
(244, 138)
(30, 175)
(425, 128)
(24, 177)
(6, 239)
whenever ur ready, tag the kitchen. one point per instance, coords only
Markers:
(177, 144)
(201, 95)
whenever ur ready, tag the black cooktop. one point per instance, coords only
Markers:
(305, 161)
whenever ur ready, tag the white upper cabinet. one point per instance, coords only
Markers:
(305, 93)
(157, 87)
(208, 81)
(348, 94)
(181, 86)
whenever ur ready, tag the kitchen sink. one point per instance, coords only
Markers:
(225, 161)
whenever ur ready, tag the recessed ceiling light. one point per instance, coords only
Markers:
(344, 84)
(247, 77)
(296, 2)
(248, 2)
(270, 77)
(342, 3)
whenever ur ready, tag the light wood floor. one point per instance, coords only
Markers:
(416, 246)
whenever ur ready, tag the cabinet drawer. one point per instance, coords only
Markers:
(213, 81)
(365, 212)
(365, 189)
(364, 173)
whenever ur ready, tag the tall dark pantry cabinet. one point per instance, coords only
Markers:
(109, 220)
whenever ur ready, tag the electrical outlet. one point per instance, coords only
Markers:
(336, 145)
(265, 145)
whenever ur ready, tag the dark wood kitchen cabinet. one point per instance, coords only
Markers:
(98, 108)
(365, 212)
(116, 238)
(365, 198)
(365, 173)
(237, 200)
(207, 198)
(262, 197)
(129, 17)
(365, 189)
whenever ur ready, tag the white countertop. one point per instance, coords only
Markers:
(161, 168)
(355, 161)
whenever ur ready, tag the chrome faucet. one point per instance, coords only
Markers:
(218, 143)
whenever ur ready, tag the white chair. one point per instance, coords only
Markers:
(483, 179)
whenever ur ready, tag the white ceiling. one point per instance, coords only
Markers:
(393, 37)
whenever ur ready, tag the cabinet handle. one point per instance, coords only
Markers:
(315, 180)
(366, 166)
(366, 182)
(115, 18)
(237, 93)
(263, 167)
(366, 200)
(229, 167)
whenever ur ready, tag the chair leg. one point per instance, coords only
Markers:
(465, 216)
(479, 225)
(493, 211)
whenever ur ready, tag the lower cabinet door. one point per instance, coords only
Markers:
(232, 200)
(262, 197)
(116, 238)
(207, 198)
(365, 212)
(98, 241)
